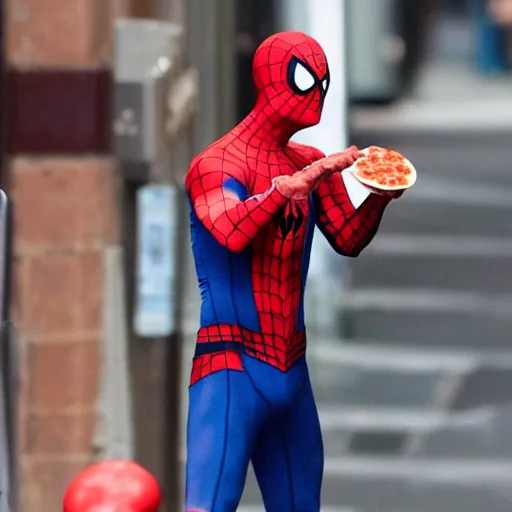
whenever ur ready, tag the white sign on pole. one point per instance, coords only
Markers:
(156, 221)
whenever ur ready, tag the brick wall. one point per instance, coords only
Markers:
(62, 225)
(65, 216)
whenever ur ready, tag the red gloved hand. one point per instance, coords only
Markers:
(302, 183)
(113, 486)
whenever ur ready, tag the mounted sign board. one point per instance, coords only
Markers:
(156, 262)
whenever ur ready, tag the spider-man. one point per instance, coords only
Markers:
(255, 199)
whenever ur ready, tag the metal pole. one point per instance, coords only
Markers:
(4, 409)
(7, 393)
(8, 369)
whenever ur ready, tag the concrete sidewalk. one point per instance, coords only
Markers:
(447, 98)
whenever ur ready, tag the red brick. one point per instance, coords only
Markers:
(20, 270)
(63, 202)
(56, 33)
(53, 294)
(86, 432)
(52, 434)
(54, 370)
(44, 483)
(91, 284)
(60, 433)
(63, 375)
(63, 293)
(89, 370)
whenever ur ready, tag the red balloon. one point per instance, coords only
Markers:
(110, 507)
(113, 486)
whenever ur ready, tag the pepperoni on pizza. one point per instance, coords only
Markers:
(384, 169)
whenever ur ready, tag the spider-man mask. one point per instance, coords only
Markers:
(292, 78)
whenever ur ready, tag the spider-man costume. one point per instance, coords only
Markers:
(255, 200)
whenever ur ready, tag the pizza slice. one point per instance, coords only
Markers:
(384, 169)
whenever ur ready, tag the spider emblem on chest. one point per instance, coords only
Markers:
(291, 219)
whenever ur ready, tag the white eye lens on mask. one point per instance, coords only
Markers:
(302, 78)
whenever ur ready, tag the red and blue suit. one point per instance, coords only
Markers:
(251, 398)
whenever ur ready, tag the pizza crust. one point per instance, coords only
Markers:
(383, 157)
